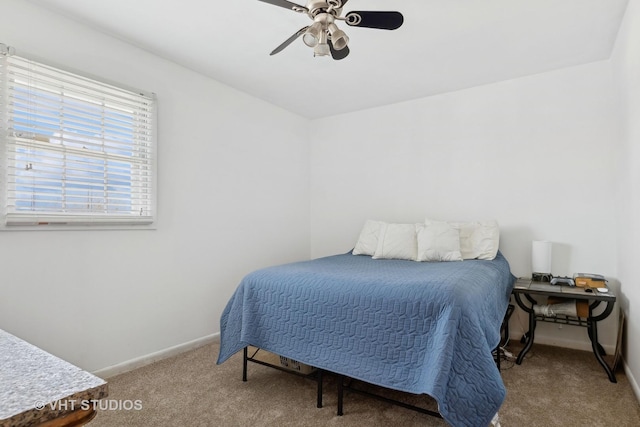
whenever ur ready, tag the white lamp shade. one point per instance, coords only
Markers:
(541, 256)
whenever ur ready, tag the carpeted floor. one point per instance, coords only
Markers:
(552, 387)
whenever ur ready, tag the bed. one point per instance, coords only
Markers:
(418, 327)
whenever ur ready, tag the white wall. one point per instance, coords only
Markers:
(626, 60)
(534, 153)
(233, 196)
(539, 154)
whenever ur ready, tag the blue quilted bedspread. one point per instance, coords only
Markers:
(419, 327)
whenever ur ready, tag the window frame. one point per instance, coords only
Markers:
(81, 221)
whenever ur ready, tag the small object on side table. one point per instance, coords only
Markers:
(589, 280)
(563, 281)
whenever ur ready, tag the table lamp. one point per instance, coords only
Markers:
(541, 261)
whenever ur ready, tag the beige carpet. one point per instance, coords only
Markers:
(553, 387)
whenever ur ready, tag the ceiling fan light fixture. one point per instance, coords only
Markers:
(322, 48)
(323, 35)
(312, 36)
(338, 37)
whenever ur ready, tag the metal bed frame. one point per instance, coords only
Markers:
(314, 375)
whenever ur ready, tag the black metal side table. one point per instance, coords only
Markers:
(529, 289)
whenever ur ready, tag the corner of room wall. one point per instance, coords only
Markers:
(625, 61)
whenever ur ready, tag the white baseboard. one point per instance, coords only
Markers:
(632, 380)
(139, 362)
(564, 343)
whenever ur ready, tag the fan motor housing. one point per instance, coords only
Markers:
(317, 7)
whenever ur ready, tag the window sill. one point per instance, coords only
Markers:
(78, 227)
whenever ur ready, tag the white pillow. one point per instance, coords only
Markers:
(438, 241)
(478, 239)
(368, 240)
(397, 241)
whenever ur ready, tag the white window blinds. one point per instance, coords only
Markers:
(74, 150)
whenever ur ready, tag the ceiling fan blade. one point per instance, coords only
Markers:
(380, 20)
(286, 4)
(338, 54)
(288, 41)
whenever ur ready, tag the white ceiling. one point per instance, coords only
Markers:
(444, 45)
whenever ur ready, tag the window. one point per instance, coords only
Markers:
(74, 150)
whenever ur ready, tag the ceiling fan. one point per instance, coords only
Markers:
(323, 35)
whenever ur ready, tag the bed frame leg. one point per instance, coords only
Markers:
(244, 364)
(319, 379)
(340, 393)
